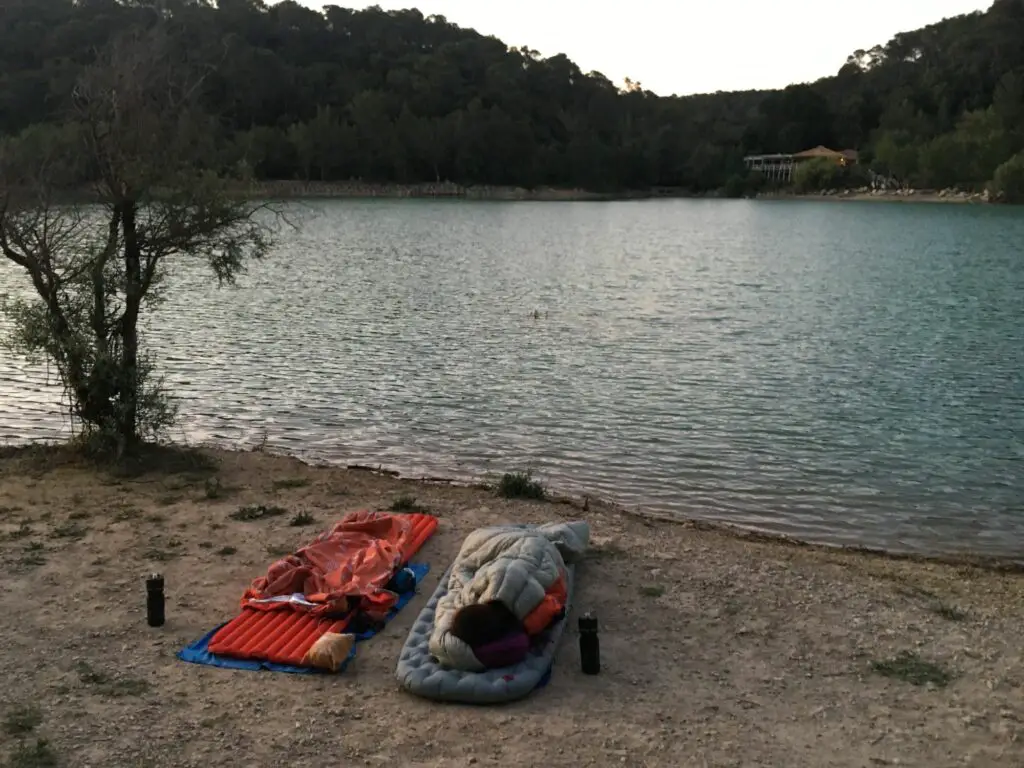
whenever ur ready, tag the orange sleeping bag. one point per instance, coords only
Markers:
(341, 568)
(321, 586)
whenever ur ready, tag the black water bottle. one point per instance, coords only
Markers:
(590, 649)
(155, 600)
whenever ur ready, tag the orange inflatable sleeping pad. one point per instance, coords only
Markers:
(285, 637)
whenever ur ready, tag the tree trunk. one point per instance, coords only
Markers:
(128, 417)
(99, 308)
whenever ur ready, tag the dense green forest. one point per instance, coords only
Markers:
(402, 97)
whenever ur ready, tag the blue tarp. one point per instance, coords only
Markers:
(198, 653)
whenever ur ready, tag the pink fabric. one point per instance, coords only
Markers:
(510, 650)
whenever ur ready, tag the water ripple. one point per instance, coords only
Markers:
(849, 374)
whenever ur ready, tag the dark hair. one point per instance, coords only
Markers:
(484, 623)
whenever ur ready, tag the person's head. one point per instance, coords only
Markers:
(483, 623)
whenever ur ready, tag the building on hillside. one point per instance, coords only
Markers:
(845, 157)
(779, 167)
(772, 167)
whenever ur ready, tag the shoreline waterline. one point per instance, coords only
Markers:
(294, 191)
(731, 530)
(298, 191)
(578, 501)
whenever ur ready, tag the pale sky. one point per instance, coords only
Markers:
(675, 46)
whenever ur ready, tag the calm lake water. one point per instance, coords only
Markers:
(849, 373)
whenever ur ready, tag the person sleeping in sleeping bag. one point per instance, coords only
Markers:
(507, 586)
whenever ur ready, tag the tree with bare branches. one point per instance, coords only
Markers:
(96, 210)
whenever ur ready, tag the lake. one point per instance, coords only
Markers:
(847, 373)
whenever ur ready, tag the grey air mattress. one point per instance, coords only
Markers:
(420, 673)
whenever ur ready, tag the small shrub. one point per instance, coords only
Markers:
(290, 482)
(22, 720)
(257, 512)
(406, 503)
(521, 485)
(302, 519)
(213, 489)
(33, 557)
(36, 755)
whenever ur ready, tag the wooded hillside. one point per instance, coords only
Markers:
(400, 97)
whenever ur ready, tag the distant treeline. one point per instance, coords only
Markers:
(396, 97)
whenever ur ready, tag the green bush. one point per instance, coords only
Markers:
(1008, 182)
(744, 185)
(521, 485)
(818, 174)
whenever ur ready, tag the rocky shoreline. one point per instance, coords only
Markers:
(907, 195)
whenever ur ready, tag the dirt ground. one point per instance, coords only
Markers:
(717, 649)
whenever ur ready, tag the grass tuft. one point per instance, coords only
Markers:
(406, 503)
(257, 512)
(70, 530)
(23, 531)
(290, 482)
(302, 519)
(950, 612)
(108, 686)
(911, 668)
(33, 556)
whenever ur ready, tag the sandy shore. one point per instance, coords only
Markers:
(718, 650)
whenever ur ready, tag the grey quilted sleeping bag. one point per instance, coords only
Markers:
(469, 579)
